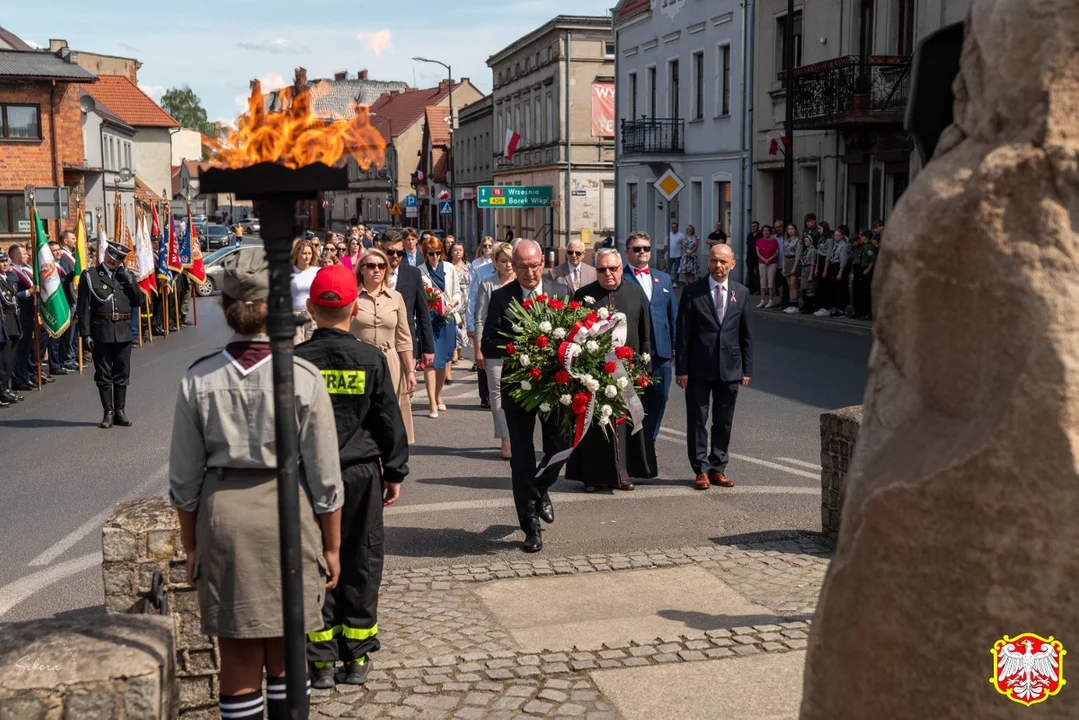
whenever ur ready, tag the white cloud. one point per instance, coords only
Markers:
(280, 46)
(33, 44)
(154, 91)
(376, 41)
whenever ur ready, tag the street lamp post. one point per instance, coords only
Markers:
(452, 180)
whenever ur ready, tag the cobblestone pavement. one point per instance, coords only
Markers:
(445, 657)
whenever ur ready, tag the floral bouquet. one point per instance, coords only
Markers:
(436, 301)
(567, 360)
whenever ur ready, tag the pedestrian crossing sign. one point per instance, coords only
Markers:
(445, 208)
(395, 210)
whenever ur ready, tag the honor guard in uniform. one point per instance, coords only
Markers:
(107, 294)
(373, 449)
(10, 332)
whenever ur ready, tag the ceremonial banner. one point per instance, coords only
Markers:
(171, 243)
(52, 307)
(144, 252)
(102, 241)
(80, 252)
(192, 263)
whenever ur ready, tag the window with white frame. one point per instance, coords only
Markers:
(723, 80)
(551, 129)
(652, 92)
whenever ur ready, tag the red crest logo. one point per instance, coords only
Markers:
(1028, 668)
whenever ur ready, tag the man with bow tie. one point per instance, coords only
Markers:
(713, 358)
(663, 309)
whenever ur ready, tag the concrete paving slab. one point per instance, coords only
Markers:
(606, 607)
(758, 687)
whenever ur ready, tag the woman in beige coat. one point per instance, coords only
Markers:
(383, 322)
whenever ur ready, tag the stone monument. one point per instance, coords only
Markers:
(961, 516)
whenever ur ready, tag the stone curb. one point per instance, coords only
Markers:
(443, 577)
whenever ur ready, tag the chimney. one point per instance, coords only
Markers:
(340, 76)
(301, 79)
(362, 75)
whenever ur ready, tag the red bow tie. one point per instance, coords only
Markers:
(641, 271)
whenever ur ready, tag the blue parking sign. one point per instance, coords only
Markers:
(410, 201)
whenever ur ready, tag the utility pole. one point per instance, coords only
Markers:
(748, 88)
(788, 151)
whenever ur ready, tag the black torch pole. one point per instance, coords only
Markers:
(278, 216)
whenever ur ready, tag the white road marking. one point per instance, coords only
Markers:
(98, 521)
(800, 463)
(680, 437)
(14, 593)
(641, 493)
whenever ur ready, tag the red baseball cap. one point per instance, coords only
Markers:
(336, 279)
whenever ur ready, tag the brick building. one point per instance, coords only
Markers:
(41, 140)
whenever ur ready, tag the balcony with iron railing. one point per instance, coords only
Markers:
(851, 91)
(653, 136)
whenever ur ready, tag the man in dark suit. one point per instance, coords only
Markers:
(69, 352)
(663, 309)
(10, 332)
(713, 357)
(108, 294)
(529, 492)
(408, 281)
(21, 276)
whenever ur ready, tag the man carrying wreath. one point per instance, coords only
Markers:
(610, 459)
(529, 492)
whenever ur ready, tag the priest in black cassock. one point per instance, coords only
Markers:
(611, 460)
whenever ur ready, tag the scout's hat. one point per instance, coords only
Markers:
(117, 251)
(246, 274)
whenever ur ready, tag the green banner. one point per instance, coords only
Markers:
(52, 307)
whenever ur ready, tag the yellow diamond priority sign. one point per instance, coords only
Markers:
(669, 185)
(395, 210)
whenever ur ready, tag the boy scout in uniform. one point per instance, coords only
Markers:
(374, 461)
(223, 483)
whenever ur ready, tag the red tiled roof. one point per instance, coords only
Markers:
(630, 8)
(145, 194)
(130, 104)
(438, 125)
(403, 109)
(441, 162)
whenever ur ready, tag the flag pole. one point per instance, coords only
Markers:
(165, 308)
(37, 319)
(149, 319)
(176, 308)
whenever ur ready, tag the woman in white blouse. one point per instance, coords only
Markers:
(304, 270)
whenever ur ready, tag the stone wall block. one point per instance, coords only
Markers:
(118, 545)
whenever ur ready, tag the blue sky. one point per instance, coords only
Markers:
(217, 46)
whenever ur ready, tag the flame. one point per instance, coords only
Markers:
(294, 136)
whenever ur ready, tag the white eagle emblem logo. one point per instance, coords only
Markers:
(1028, 668)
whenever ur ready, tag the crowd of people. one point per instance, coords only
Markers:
(20, 362)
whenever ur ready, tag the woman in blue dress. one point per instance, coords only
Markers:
(440, 279)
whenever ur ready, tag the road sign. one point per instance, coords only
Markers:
(669, 185)
(395, 210)
(445, 208)
(411, 212)
(410, 201)
(514, 196)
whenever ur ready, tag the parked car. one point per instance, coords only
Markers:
(214, 271)
(250, 226)
(217, 236)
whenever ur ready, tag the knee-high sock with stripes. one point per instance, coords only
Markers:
(247, 706)
(277, 698)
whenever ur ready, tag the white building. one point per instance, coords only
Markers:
(852, 157)
(107, 142)
(472, 156)
(186, 145)
(679, 94)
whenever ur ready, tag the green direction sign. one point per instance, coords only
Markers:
(514, 196)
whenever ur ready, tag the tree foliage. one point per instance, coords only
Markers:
(184, 105)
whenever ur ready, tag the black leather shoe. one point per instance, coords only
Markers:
(47, 379)
(106, 421)
(61, 371)
(18, 396)
(9, 397)
(545, 509)
(626, 485)
(18, 387)
(4, 403)
(533, 543)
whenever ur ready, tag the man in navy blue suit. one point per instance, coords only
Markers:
(714, 357)
(664, 311)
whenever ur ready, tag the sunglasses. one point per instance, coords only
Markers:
(486, 247)
(375, 266)
(394, 253)
(574, 253)
(608, 269)
(641, 249)
(434, 254)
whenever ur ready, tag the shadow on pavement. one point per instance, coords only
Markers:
(795, 542)
(706, 621)
(471, 454)
(35, 423)
(451, 542)
(475, 482)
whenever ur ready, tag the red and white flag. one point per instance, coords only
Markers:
(512, 139)
(444, 195)
(773, 144)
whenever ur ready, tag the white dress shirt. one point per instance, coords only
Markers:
(712, 285)
(393, 278)
(645, 280)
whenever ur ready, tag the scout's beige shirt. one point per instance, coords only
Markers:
(225, 418)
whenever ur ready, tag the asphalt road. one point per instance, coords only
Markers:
(61, 474)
